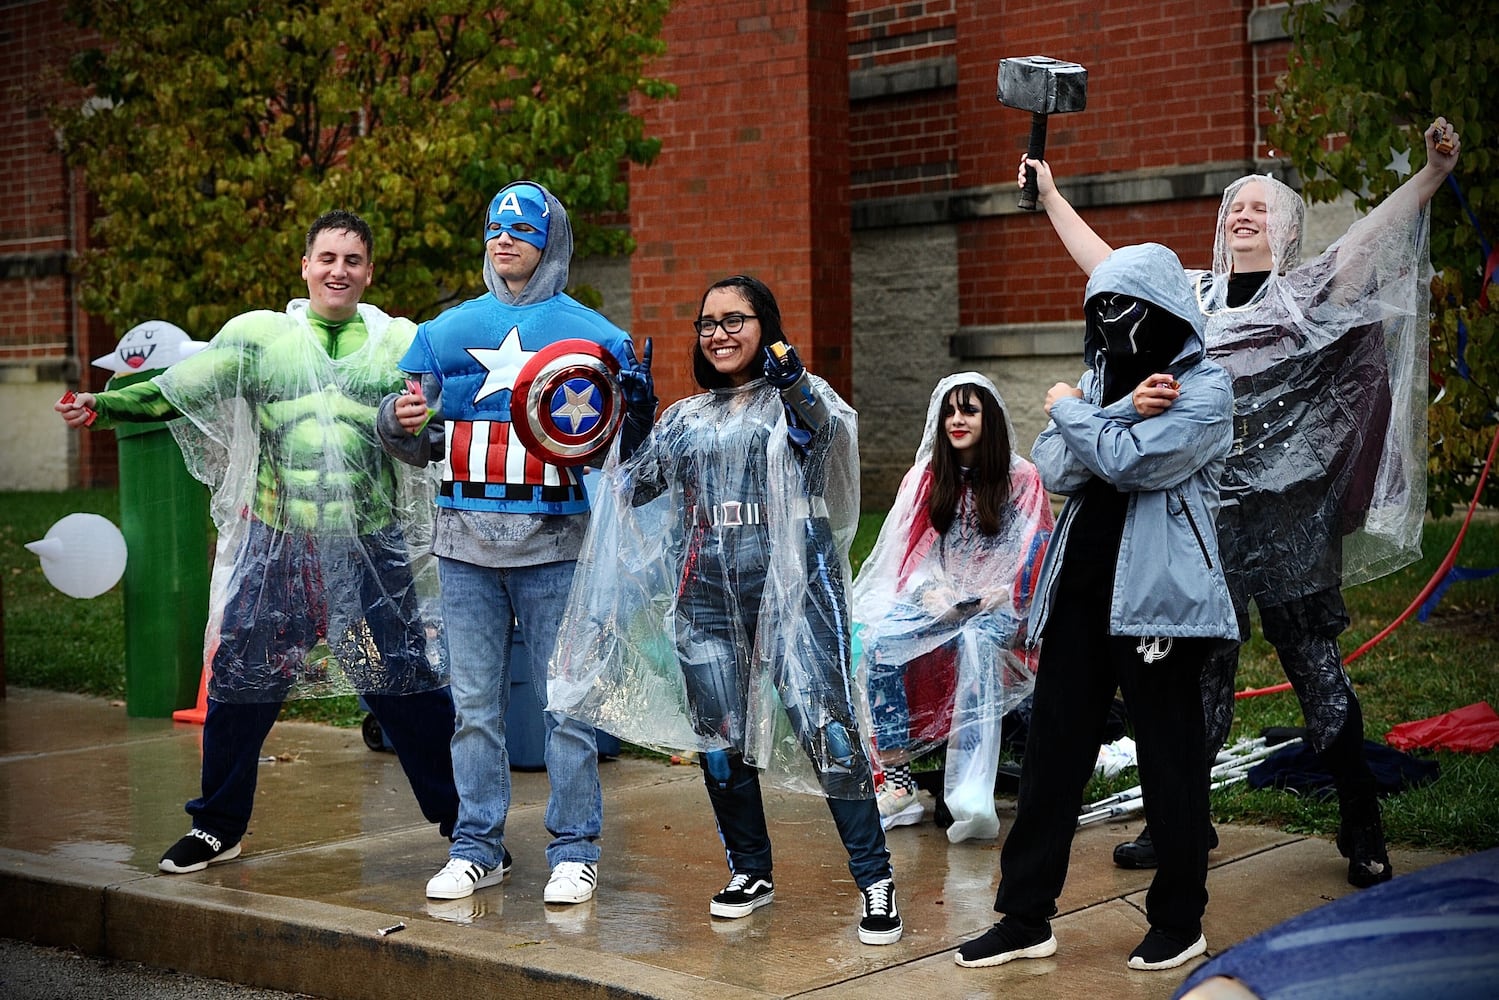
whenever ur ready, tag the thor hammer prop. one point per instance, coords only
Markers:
(1042, 86)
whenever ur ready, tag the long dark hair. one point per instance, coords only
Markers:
(763, 304)
(989, 473)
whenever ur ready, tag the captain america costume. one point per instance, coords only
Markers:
(478, 352)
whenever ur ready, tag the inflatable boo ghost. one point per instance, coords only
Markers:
(152, 344)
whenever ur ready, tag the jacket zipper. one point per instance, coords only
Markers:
(1191, 521)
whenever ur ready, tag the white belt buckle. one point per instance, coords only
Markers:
(732, 516)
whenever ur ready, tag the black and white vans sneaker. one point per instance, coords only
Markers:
(745, 893)
(880, 923)
(195, 852)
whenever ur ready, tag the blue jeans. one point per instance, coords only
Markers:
(233, 734)
(480, 607)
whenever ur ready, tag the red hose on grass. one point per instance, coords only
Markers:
(1431, 585)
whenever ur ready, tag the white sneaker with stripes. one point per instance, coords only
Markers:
(571, 882)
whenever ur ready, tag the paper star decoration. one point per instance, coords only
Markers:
(577, 408)
(1400, 163)
(504, 363)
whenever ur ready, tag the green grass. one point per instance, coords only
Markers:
(61, 644)
(1421, 669)
(53, 641)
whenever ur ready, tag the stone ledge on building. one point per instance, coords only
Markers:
(1016, 340)
(1134, 187)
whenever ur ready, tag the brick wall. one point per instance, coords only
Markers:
(800, 127)
(1169, 86)
(752, 177)
(36, 224)
(43, 222)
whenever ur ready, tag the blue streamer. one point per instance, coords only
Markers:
(1454, 575)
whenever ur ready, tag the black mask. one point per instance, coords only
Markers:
(1136, 338)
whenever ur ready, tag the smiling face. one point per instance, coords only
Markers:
(1246, 230)
(337, 270)
(962, 421)
(514, 260)
(733, 355)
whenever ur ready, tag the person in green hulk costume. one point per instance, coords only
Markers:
(314, 590)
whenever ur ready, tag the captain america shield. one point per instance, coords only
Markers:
(570, 402)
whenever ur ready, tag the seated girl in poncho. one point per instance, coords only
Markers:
(940, 606)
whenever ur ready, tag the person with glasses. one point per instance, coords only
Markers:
(509, 525)
(709, 612)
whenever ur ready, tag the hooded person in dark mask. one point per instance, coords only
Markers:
(1131, 596)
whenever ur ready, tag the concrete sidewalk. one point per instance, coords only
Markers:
(338, 850)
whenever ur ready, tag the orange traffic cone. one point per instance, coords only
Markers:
(199, 712)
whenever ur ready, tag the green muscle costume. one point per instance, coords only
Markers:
(314, 592)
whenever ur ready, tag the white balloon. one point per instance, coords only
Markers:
(83, 555)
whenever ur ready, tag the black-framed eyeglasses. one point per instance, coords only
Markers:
(732, 323)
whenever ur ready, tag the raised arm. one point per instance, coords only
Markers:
(1086, 247)
(1384, 238)
(1412, 196)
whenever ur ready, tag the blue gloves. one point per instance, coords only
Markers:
(636, 384)
(784, 369)
(639, 390)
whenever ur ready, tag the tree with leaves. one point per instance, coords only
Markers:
(214, 132)
(1363, 81)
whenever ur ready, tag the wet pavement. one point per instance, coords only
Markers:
(337, 850)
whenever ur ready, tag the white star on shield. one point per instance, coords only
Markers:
(577, 408)
(504, 363)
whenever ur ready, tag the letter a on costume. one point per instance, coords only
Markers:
(510, 203)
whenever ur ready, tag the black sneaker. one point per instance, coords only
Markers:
(1140, 852)
(1137, 853)
(1368, 860)
(1006, 941)
(195, 852)
(1164, 950)
(880, 922)
(745, 893)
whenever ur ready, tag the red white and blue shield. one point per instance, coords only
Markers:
(566, 404)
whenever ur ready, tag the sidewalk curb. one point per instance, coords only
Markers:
(301, 946)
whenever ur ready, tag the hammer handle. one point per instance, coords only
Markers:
(1037, 151)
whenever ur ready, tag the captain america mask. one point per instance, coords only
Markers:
(520, 210)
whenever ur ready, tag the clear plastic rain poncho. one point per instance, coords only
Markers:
(709, 608)
(1326, 484)
(940, 623)
(322, 582)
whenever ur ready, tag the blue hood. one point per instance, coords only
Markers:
(1154, 274)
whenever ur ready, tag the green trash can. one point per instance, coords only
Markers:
(164, 518)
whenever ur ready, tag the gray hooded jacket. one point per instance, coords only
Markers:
(1168, 580)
